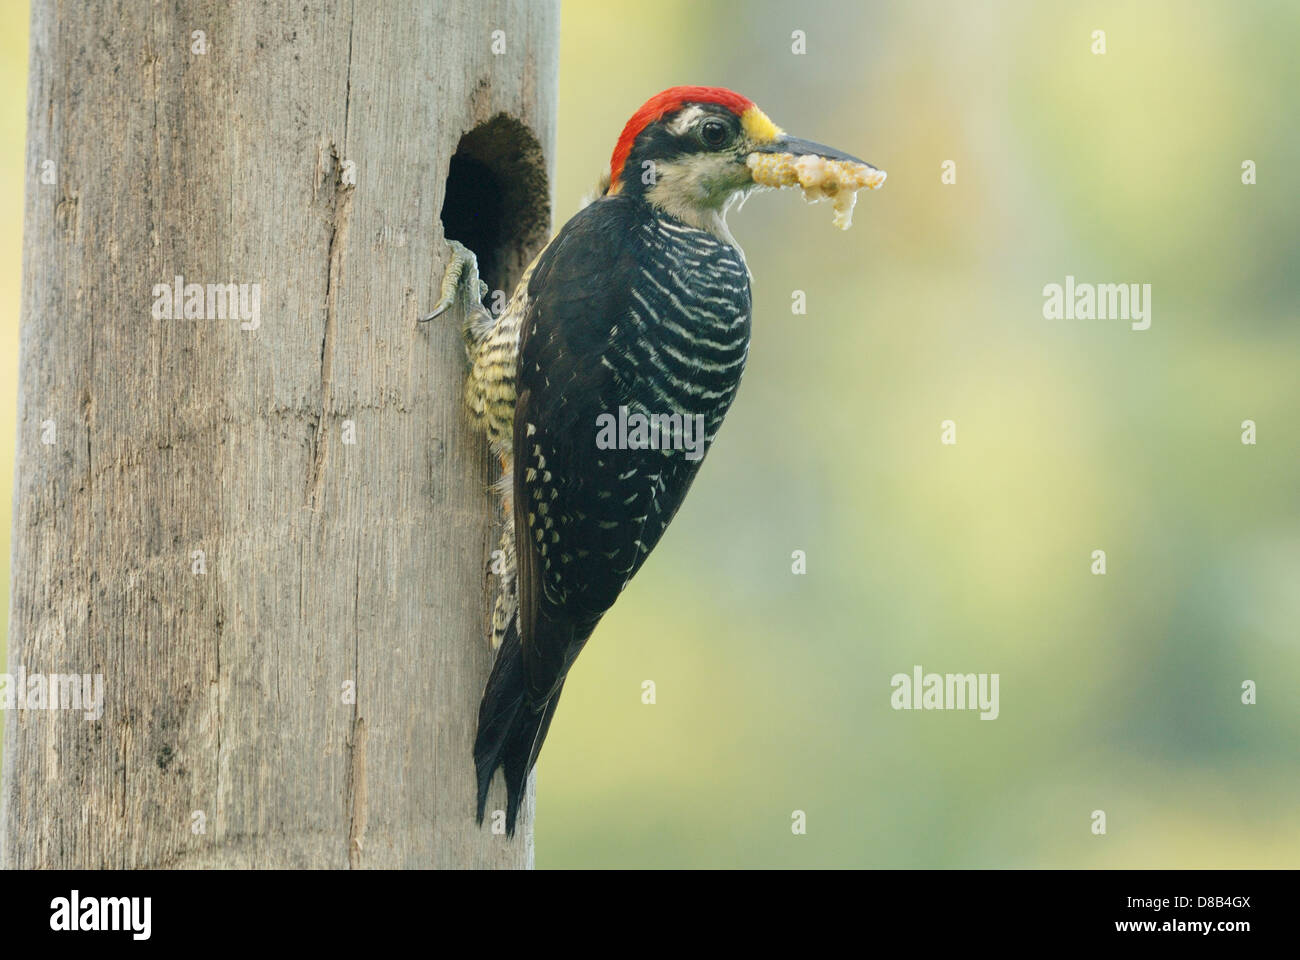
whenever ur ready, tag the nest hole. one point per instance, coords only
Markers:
(497, 199)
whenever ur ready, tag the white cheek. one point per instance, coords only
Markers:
(701, 183)
(722, 175)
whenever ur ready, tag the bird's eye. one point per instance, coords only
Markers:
(713, 133)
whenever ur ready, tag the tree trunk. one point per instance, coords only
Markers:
(267, 530)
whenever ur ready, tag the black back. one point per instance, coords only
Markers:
(627, 308)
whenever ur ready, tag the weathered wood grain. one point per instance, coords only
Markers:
(327, 562)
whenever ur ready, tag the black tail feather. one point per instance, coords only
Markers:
(510, 729)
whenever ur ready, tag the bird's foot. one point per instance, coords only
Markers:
(461, 285)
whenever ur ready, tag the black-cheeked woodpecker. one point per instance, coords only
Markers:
(640, 302)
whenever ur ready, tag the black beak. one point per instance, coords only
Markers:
(793, 145)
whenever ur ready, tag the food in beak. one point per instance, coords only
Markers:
(821, 179)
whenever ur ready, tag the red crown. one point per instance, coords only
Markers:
(662, 104)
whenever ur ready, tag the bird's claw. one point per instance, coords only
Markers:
(461, 279)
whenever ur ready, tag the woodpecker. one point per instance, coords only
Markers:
(640, 305)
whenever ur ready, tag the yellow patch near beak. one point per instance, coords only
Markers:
(758, 127)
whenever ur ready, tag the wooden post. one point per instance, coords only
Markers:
(257, 510)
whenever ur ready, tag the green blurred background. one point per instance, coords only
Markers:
(1119, 692)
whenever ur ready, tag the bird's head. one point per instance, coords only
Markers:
(687, 151)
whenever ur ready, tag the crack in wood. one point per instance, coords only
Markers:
(339, 215)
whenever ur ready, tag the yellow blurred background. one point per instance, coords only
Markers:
(1120, 692)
